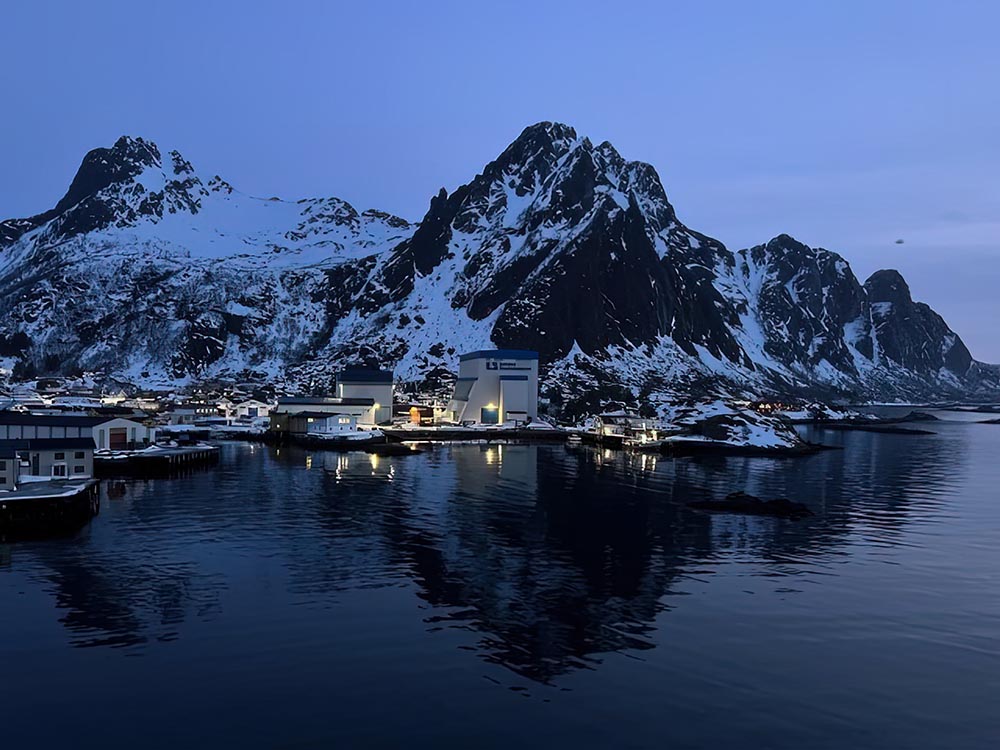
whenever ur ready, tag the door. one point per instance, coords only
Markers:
(117, 439)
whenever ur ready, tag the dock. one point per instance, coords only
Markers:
(48, 507)
(474, 434)
(156, 461)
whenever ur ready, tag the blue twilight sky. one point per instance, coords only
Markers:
(845, 124)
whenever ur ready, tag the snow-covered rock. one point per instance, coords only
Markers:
(724, 425)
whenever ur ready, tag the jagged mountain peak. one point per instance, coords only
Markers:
(102, 167)
(553, 135)
(786, 242)
(888, 285)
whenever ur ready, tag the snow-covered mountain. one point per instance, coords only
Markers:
(148, 270)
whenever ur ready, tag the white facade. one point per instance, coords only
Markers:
(496, 386)
(282, 415)
(251, 409)
(331, 424)
(359, 383)
(123, 434)
(10, 467)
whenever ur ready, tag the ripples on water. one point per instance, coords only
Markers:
(492, 595)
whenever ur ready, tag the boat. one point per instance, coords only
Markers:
(622, 430)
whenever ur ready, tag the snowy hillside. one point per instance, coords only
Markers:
(155, 273)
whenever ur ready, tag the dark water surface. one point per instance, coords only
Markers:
(525, 596)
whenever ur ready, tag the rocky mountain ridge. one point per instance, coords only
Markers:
(156, 274)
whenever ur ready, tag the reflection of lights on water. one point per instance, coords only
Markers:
(373, 457)
(608, 454)
(309, 462)
(494, 455)
(343, 465)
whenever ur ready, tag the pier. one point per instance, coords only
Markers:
(155, 461)
(48, 507)
(486, 434)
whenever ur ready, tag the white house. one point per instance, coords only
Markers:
(51, 458)
(191, 413)
(123, 434)
(284, 415)
(493, 386)
(251, 409)
(10, 464)
(321, 423)
(360, 382)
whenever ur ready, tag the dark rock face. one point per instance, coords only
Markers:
(807, 300)
(79, 211)
(105, 166)
(146, 270)
(909, 333)
(741, 502)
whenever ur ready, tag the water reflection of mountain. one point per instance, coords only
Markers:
(557, 556)
(551, 556)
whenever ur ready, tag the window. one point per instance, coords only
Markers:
(79, 469)
(3, 465)
(60, 456)
(78, 454)
(58, 470)
(344, 420)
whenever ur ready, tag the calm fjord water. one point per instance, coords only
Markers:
(519, 596)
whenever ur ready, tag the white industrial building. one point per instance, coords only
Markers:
(360, 382)
(495, 386)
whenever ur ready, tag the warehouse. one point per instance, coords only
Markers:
(495, 386)
(360, 382)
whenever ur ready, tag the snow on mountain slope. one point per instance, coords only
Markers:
(162, 206)
(150, 271)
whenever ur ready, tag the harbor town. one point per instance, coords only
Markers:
(58, 438)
